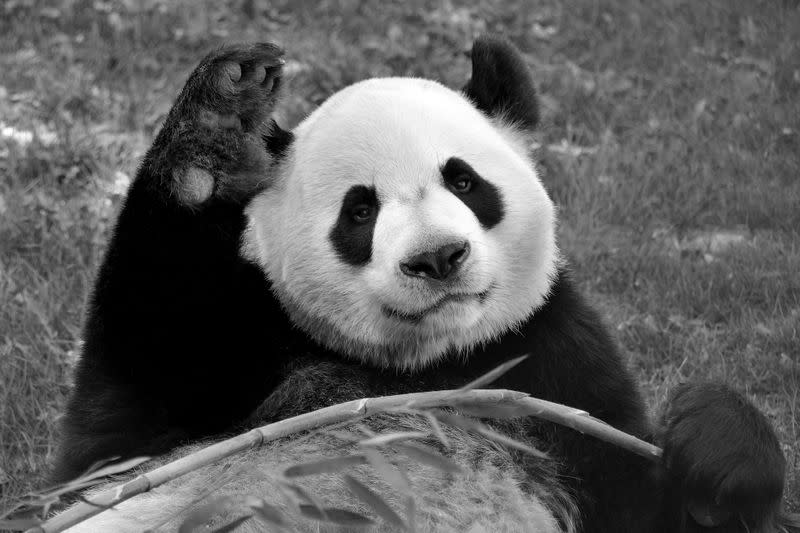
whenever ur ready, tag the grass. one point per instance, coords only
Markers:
(689, 114)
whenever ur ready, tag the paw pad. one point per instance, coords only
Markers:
(194, 185)
(234, 71)
(213, 145)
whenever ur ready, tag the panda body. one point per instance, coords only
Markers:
(398, 240)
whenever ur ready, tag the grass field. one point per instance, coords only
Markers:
(671, 142)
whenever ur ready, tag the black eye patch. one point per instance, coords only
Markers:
(482, 197)
(351, 236)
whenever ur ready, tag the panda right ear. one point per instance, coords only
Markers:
(501, 83)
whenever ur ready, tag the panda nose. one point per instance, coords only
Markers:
(439, 264)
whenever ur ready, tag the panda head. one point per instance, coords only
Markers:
(407, 221)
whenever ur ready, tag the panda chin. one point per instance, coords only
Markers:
(404, 345)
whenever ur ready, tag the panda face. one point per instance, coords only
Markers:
(404, 225)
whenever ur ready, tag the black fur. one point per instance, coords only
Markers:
(352, 237)
(501, 85)
(170, 353)
(184, 338)
(482, 197)
(278, 141)
(733, 429)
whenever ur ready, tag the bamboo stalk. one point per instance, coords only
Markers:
(581, 421)
(573, 418)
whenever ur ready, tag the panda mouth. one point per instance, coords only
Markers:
(417, 316)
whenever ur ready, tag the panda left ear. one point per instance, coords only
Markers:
(501, 84)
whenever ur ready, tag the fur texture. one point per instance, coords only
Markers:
(510, 498)
(173, 298)
(235, 298)
(445, 502)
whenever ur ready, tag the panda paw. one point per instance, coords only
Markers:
(724, 465)
(213, 143)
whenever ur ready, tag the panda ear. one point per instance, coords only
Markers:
(501, 84)
(277, 140)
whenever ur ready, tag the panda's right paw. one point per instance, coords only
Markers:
(212, 145)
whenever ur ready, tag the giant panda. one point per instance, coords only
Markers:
(397, 240)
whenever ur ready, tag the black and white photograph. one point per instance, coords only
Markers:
(400, 266)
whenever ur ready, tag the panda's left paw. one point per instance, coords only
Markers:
(722, 459)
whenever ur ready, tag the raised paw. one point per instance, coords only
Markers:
(723, 462)
(234, 87)
(212, 144)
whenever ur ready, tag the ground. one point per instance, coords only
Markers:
(671, 141)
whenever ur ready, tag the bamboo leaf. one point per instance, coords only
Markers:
(343, 435)
(497, 411)
(461, 422)
(82, 498)
(469, 424)
(269, 514)
(493, 374)
(304, 495)
(93, 476)
(365, 430)
(337, 516)
(511, 443)
(383, 440)
(411, 513)
(428, 456)
(394, 476)
(374, 501)
(437, 429)
(201, 516)
(324, 466)
(113, 468)
(232, 525)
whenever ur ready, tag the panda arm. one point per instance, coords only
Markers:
(173, 316)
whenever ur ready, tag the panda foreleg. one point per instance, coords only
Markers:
(723, 465)
(173, 297)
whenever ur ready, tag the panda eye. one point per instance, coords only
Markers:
(362, 213)
(462, 184)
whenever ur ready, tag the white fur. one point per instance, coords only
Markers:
(493, 493)
(395, 134)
